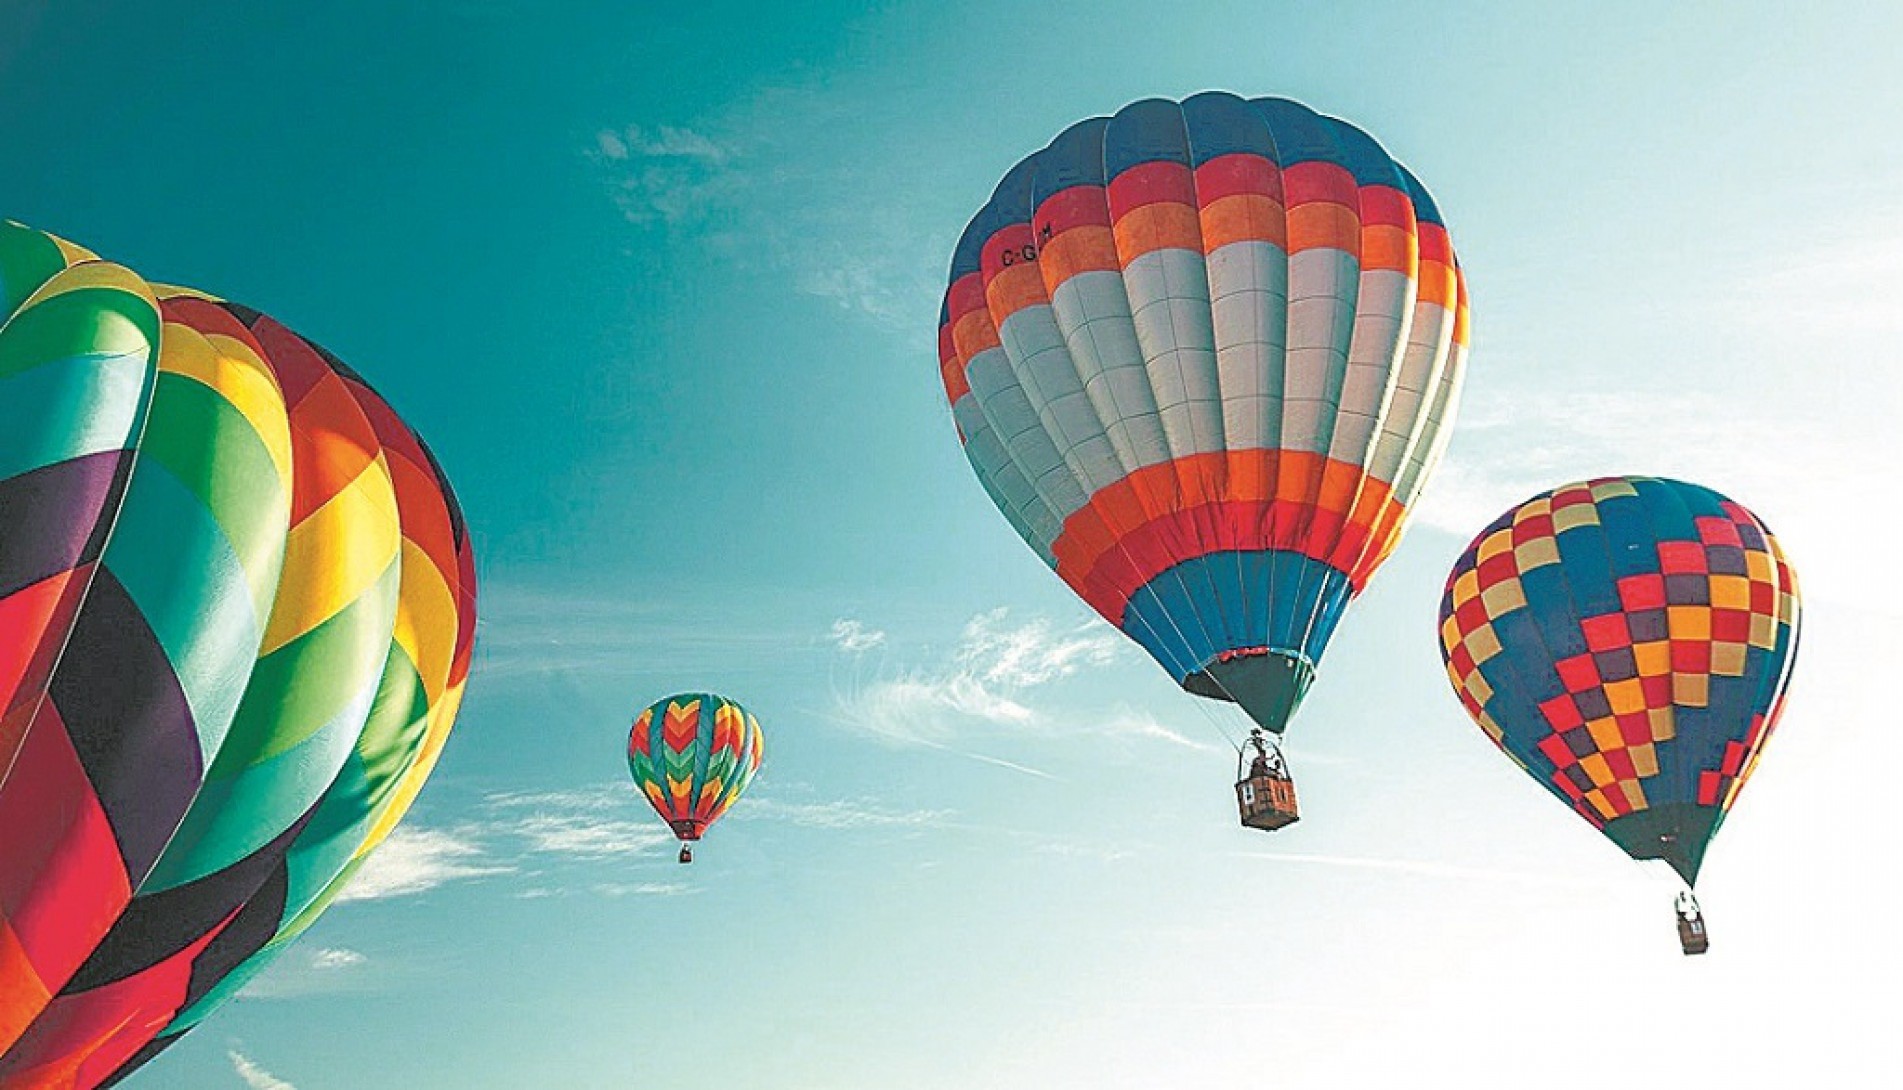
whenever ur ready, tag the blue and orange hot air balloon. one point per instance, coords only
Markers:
(1203, 355)
(1627, 641)
(692, 754)
(237, 607)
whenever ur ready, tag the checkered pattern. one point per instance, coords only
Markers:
(1625, 640)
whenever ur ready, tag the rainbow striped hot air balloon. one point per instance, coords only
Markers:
(692, 754)
(237, 607)
(1203, 356)
(1627, 642)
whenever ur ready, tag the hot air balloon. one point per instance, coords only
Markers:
(1203, 356)
(1627, 642)
(692, 754)
(237, 605)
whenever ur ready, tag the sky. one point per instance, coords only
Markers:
(659, 285)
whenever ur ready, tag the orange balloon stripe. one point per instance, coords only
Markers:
(1015, 287)
(1158, 226)
(1077, 251)
(1165, 514)
(1244, 217)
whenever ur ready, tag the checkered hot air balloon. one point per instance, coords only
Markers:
(692, 755)
(1203, 356)
(237, 605)
(1627, 641)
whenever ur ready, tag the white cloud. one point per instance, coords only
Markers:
(669, 142)
(518, 833)
(851, 635)
(257, 1078)
(926, 707)
(1844, 283)
(611, 144)
(301, 970)
(1030, 654)
(642, 889)
(668, 175)
(1135, 724)
(598, 797)
(859, 272)
(529, 632)
(414, 860)
(839, 814)
(1421, 867)
(580, 836)
(985, 681)
(335, 958)
(763, 187)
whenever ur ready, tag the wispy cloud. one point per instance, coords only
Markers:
(1135, 724)
(303, 970)
(663, 142)
(643, 889)
(582, 836)
(1423, 867)
(552, 840)
(984, 680)
(1023, 655)
(257, 1078)
(532, 632)
(668, 175)
(335, 958)
(996, 683)
(851, 635)
(765, 185)
(414, 860)
(515, 833)
(839, 814)
(1844, 282)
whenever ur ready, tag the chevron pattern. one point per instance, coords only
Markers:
(692, 755)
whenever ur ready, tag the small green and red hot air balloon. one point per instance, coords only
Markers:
(1627, 642)
(692, 755)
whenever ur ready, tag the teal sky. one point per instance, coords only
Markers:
(659, 284)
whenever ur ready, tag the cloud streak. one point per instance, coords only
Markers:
(556, 841)
(416, 860)
(1425, 868)
(1843, 284)
(515, 833)
(999, 680)
(853, 637)
(840, 814)
(666, 175)
(253, 1076)
(335, 958)
(984, 681)
(767, 186)
(529, 632)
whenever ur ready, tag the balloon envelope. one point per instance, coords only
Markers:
(236, 615)
(1627, 642)
(692, 754)
(1202, 356)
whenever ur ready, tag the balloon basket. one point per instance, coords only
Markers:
(1692, 936)
(1265, 793)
